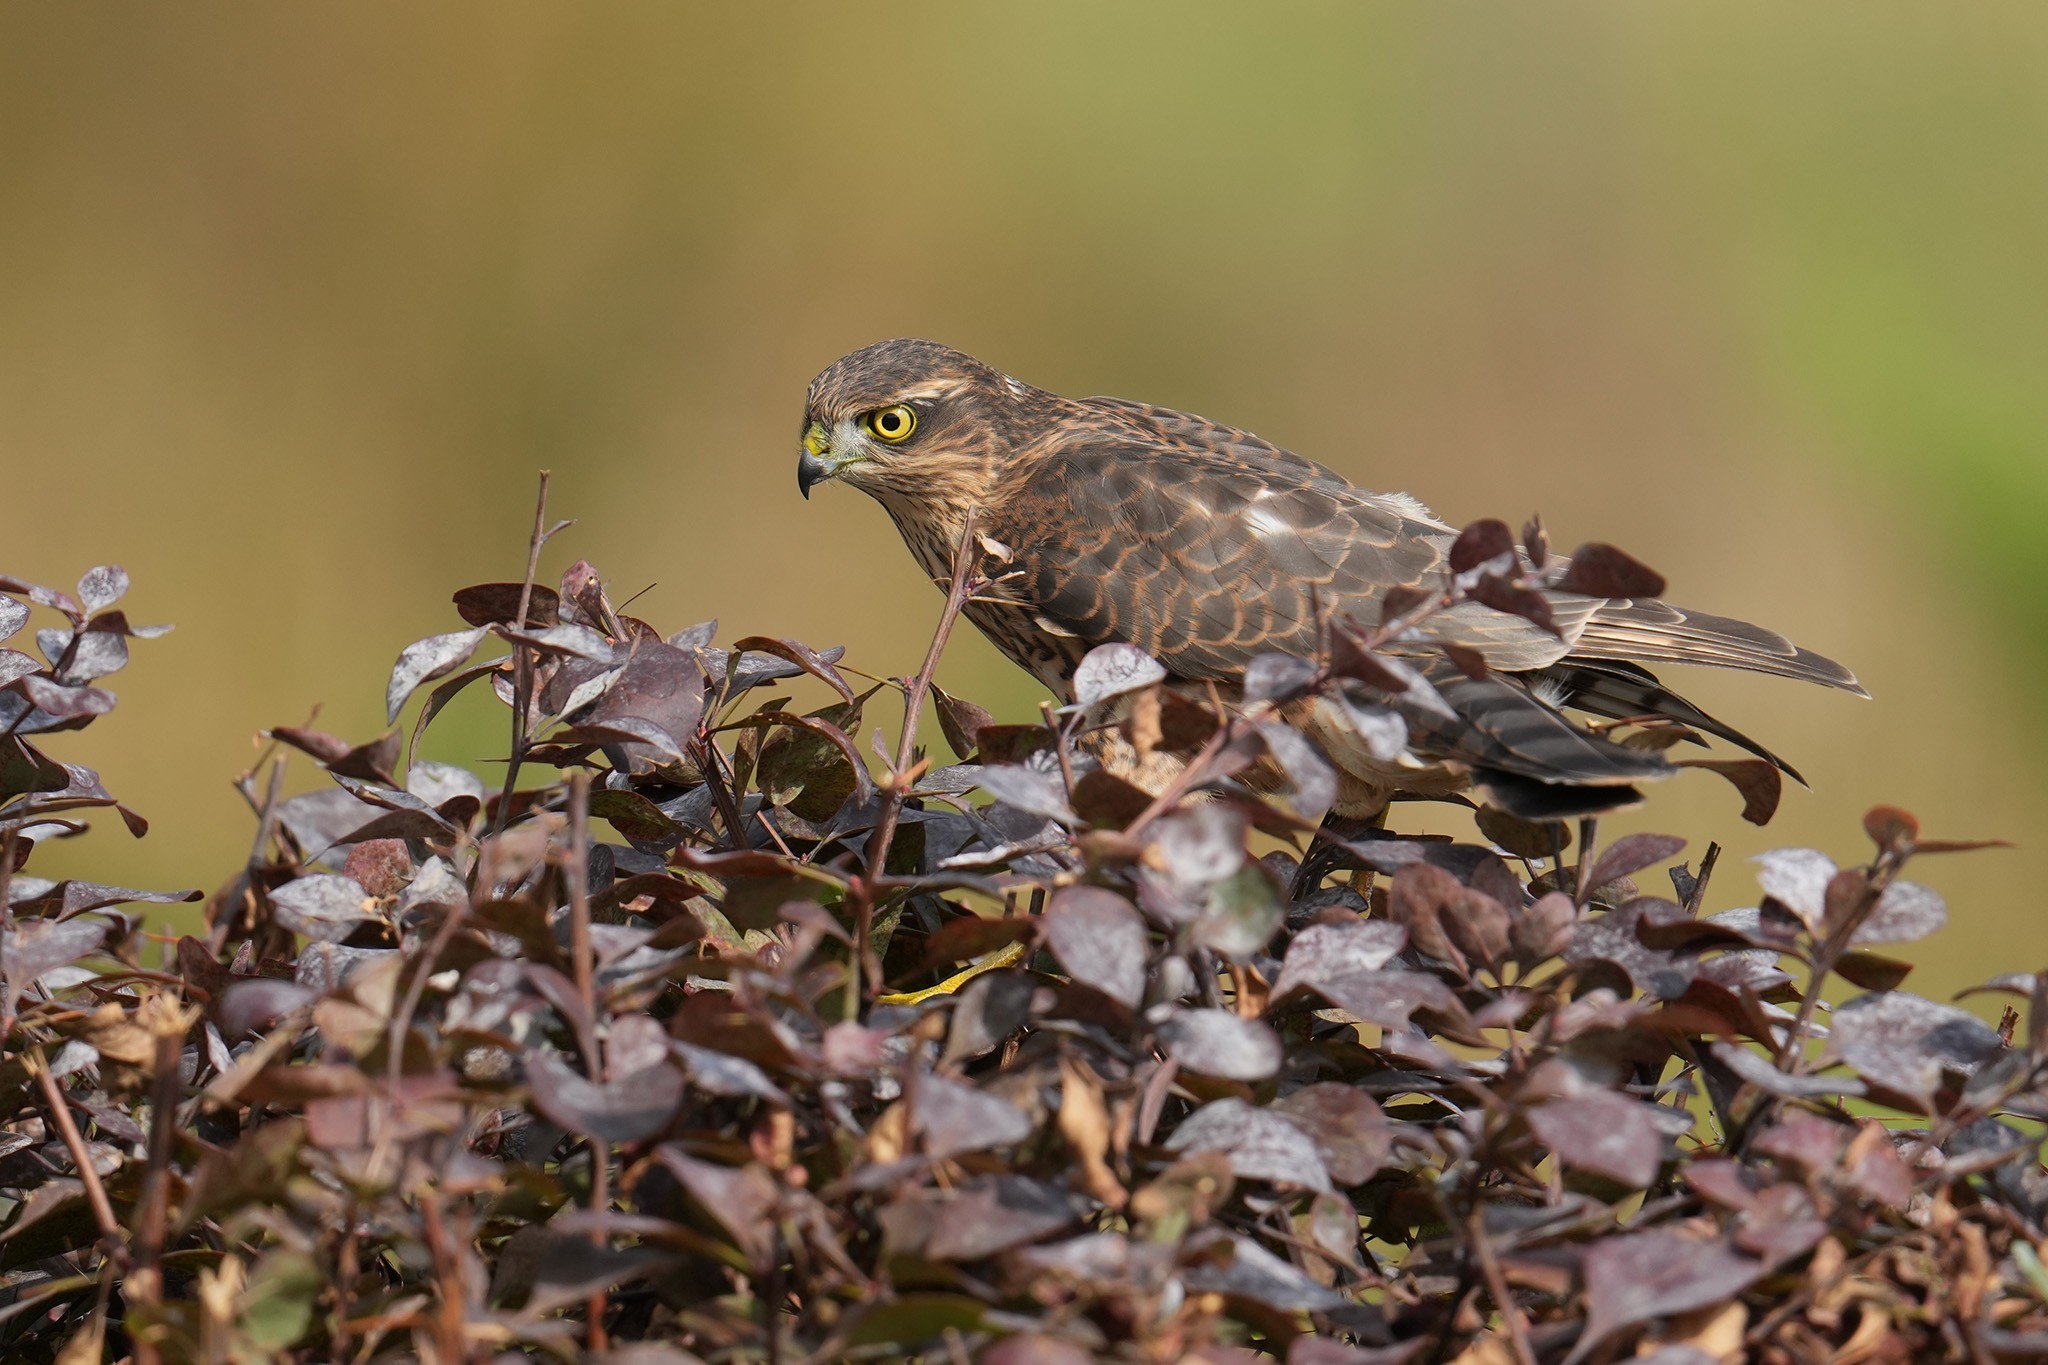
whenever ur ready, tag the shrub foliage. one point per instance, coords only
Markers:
(705, 1031)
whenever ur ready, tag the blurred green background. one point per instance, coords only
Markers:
(294, 300)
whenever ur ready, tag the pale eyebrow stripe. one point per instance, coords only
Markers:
(940, 390)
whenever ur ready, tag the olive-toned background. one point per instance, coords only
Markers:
(295, 300)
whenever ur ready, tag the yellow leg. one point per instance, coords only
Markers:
(1001, 957)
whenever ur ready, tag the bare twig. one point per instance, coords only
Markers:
(401, 1020)
(1589, 827)
(1834, 942)
(74, 1143)
(576, 871)
(1059, 746)
(450, 1310)
(866, 975)
(1497, 1286)
(6, 920)
(711, 762)
(266, 829)
(144, 1283)
(522, 660)
(1698, 897)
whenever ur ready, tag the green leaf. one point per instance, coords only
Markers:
(277, 1307)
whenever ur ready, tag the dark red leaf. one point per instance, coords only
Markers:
(1905, 1043)
(629, 1109)
(35, 946)
(423, 660)
(491, 604)
(1633, 1278)
(1630, 854)
(1261, 1144)
(1598, 570)
(1603, 1133)
(955, 1118)
(960, 721)
(1516, 600)
(1479, 542)
(1100, 939)
(1469, 661)
(802, 655)
(969, 936)
(1352, 1135)
(1277, 677)
(322, 906)
(101, 587)
(1216, 1042)
(1761, 784)
(1889, 827)
(1401, 600)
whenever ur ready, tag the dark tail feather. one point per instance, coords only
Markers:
(1649, 631)
(1527, 799)
(1621, 691)
(1500, 728)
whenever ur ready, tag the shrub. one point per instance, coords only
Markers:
(697, 1038)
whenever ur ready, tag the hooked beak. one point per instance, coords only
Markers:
(816, 464)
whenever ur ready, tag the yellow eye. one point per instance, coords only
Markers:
(892, 424)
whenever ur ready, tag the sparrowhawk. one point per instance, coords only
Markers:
(1100, 520)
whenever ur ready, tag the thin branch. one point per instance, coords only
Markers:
(711, 762)
(1828, 952)
(74, 1143)
(576, 871)
(1497, 1286)
(449, 1315)
(866, 975)
(144, 1283)
(6, 921)
(522, 660)
(1698, 897)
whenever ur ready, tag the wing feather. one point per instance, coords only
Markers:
(1206, 546)
(1658, 632)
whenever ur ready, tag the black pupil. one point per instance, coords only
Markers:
(891, 423)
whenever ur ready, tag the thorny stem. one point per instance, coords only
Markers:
(865, 966)
(522, 660)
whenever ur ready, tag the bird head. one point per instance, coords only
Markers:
(910, 422)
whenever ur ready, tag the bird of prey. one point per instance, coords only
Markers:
(1101, 520)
